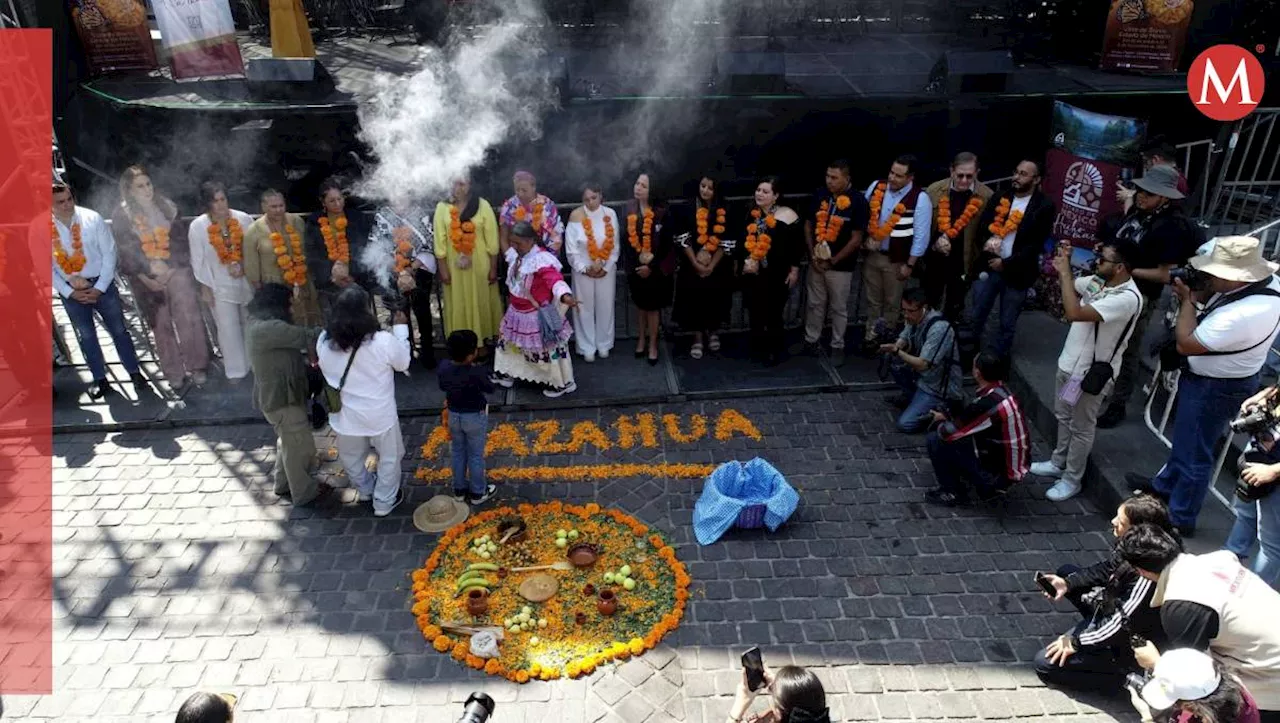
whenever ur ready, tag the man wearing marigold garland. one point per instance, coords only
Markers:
(84, 274)
(959, 200)
(897, 236)
(1017, 223)
(833, 234)
(274, 253)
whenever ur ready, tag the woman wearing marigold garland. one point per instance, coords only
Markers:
(534, 208)
(154, 254)
(274, 253)
(592, 247)
(770, 259)
(217, 260)
(650, 264)
(704, 283)
(334, 242)
(466, 246)
(403, 228)
(533, 344)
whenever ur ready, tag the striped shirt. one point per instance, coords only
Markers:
(995, 423)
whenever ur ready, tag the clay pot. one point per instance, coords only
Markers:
(517, 527)
(477, 602)
(589, 590)
(580, 618)
(583, 554)
(607, 604)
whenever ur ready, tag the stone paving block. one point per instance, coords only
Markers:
(893, 705)
(634, 672)
(611, 688)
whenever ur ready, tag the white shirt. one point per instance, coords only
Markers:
(209, 270)
(1006, 243)
(1237, 327)
(1117, 305)
(576, 239)
(99, 249)
(369, 395)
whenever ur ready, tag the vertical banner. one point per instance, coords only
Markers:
(1145, 34)
(26, 351)
(1083, 167)
(114, 34)
(200, 37)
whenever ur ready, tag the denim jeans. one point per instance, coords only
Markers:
(986, 292)
(111, 312)
(956, 463)
(1205, 405)
(916, 417)
(1259, 520)
(468, 432)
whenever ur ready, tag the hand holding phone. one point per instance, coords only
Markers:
(1047, 585)
(753, 668)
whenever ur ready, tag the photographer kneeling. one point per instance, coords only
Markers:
(925, 363)
(1188, 685)
(1225, 347)
(1115, 603)
(1257, 508)
(795, 696)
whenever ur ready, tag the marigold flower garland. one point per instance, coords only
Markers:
(599, 254)
(880, 231)
(946, 225)
(758, 243)
(155, 242)
(462, 234)
(562, 647)
(404, 248)
(710, 242)
(227, 241)
(1001, 227)
(72, 264)
(538, 222)
(642, 242)
(290, 258)
(829, 224)
(335, 238)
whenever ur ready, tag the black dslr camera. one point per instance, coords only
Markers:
(1247, 492)
(884, 335)
(477, 709)
(1195, 279)
(1255, 420)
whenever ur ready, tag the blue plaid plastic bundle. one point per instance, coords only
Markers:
(750, 495)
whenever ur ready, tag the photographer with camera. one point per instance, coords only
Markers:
(795, 696)
(1212, 604)
(1114, 604)
(924, 362)
(1161, 237)
(1188, 685)
(1225, 346)
(1257, 508)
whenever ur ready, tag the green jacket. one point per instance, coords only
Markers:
(277, 354)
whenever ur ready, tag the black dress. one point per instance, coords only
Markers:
(702, 304)
(652, 293)
(765, 292)
(320, 268)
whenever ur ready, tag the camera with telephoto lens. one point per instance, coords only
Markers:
(1195, 279)
(477, 709)
(1255, 420)
(885, 335)
(1252, 493)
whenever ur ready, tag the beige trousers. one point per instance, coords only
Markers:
(828, 293)
(883, 291)
(1076, 428)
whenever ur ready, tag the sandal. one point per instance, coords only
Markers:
(696, 351)
(714, 342)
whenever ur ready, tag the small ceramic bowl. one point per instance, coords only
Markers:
(521, 529)
(583, 554)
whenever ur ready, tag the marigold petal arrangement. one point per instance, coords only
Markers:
(572, 633)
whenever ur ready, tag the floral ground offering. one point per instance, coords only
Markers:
(572, 633)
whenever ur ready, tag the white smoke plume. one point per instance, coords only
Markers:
(436, 125)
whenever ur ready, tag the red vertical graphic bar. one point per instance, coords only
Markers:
(26, 338)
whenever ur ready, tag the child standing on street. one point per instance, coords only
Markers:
(465, 386)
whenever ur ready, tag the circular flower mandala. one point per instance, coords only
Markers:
(565, 635)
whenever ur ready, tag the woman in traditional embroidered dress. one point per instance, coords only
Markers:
(770, 259)
(536, 209)
(335, 240)
(404, 229)
(216, 240)
(467, 250)
(154, 254)
(650, 264)
(534, 342)
(592, 245)
(704, 283)
(275, 253)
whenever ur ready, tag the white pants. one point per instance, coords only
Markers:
(593, 317)
(232, 321)
(384, 484)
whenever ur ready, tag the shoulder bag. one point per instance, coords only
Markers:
(333, 397)
(1100, 372)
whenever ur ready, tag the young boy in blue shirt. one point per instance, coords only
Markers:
(465, 386)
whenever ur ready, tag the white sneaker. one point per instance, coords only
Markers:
(603, 353)
(502, 380)
(555, 393)
(394, 504)
(1046, 469)
(588, 358)
(1063, 490)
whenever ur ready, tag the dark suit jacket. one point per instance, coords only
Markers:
(1022, 267)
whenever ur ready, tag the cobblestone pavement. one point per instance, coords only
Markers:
(178, 569)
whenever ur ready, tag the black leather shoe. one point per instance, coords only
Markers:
(99, 389)
(945, 498)
(1144, 484)
(140, 384)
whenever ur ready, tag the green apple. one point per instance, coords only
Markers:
(562, 532)
(542, 622)
(608, 577)
(625, 571)
(573, 534)
(561, 542)
(629, 584)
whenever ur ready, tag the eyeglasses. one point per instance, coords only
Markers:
(965, 175)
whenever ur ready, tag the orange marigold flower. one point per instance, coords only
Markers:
(655, 540)
(493, 667)
(475, 662)
(419, 609)
(431, 631)
(419, 576)
(522, 676)
(592, 508)
(442, 643)
(460, 651)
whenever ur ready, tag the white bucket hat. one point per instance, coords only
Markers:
(1235, 258)
(1183, 674)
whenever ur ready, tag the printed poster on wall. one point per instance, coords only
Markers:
(200, 37)
(1085, 164)
(1145, 34)
(114, 34)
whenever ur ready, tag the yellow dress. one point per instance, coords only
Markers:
(290, 34)
(470, 301)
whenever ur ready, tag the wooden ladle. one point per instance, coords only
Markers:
(562, 565)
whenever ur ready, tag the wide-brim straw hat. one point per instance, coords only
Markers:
(439, 514)
(1235, 258)
(1161, 181)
